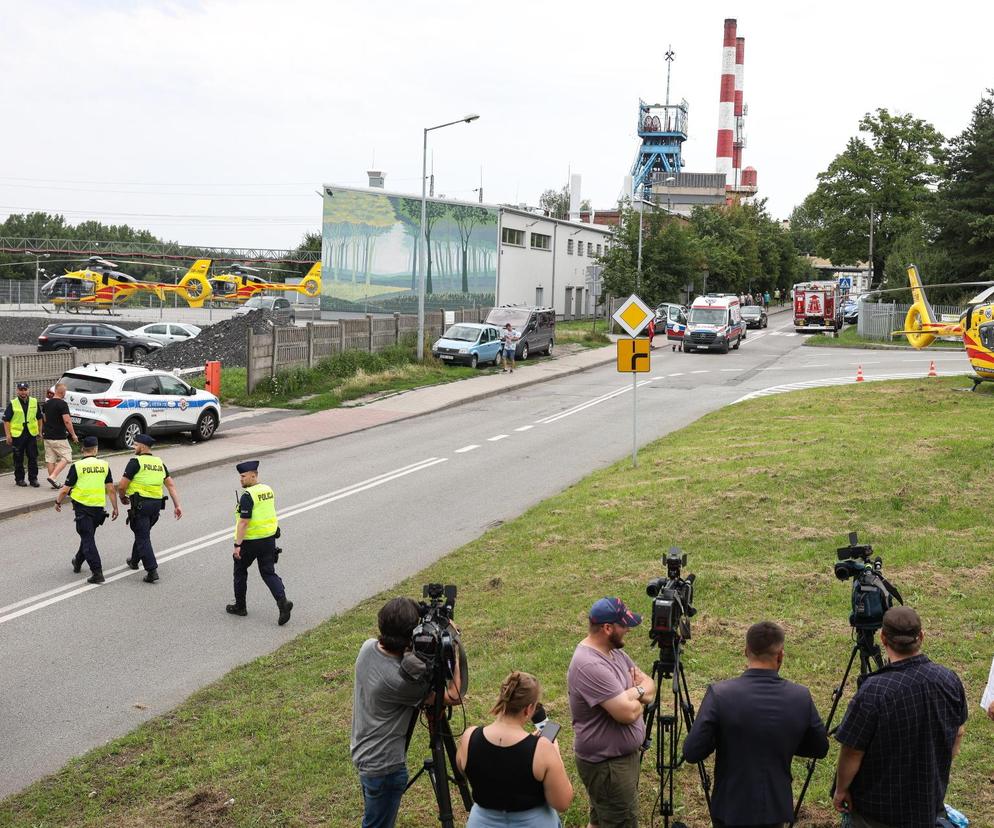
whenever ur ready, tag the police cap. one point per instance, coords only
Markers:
(145, 440)
(248, 466)
(90, 442)
(22, 386)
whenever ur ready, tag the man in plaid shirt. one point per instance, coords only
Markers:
(900, 734)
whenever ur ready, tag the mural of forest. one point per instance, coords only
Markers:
(370, 246)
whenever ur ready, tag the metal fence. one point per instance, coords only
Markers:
(285, 348)
(44, 370)
(879, 320)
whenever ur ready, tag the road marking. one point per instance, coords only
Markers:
(464, 449)
(582, 406)
(732, 369)
(819, 383)
(53, 596)
(677, 374)
(705, 371)
(524, 428)
(495, 439)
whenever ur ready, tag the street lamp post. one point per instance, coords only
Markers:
(38, 258)
(423, 255)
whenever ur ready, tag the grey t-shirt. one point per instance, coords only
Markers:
(592, 679)
(383, 701)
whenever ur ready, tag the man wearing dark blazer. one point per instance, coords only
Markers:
(756, 723)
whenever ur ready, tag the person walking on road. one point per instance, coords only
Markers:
(509, 337)
(141, 488)
(22, 424)
(255, 540)
(89, 484)
(56, 432)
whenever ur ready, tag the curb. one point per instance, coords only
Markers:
(27, 508)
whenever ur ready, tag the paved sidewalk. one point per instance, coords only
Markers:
(241, 441)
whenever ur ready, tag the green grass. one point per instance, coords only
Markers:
(850, 338)
(589, 334)
(759, 494)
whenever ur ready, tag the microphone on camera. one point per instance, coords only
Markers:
(544, 726)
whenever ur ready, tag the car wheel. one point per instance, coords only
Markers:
(524, 352)
(206, 426)
(474, 361)
(687, 349)
(138, 352)
(129, 431)
(62, 347)
(552, 344)
(737, 343)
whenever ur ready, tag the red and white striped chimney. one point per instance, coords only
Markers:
(739, 140)
(726, 105)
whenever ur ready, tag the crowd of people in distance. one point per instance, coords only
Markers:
(898, 739)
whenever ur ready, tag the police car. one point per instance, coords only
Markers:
(119, 401)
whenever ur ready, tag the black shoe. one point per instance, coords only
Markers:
(132, 564)
(21, 483)
(53, 483)
(235, 609)
(35, 484)
(151, 576)
(77, 567)
(285, 607)
(96, 578)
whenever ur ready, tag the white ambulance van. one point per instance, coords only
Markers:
(714, 323)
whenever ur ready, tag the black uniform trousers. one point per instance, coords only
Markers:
(142, 516)
(88, 518)
(26, 446)
(262, 550)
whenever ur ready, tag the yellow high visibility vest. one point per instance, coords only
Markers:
(29, 418)
(148, 481)
(90, 488)
(263, 522)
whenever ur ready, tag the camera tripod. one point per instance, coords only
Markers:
(443, 747)
(870, 660)
(668, 727)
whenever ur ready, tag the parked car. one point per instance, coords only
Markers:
(535, 326)
(269, 303)
(115, 401)
(755, 317)
(65, 335)
(468, 343)
(168, 332)
(850, 312)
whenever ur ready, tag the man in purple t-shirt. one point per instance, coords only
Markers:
(607, 693)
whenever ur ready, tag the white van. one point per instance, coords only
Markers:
(714, 323)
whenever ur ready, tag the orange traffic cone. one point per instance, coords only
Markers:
(931, 369)
(859, 373)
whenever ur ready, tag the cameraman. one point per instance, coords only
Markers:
(900, 734)
(391, 683)
(757, 723)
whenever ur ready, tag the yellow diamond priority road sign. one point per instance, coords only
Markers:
(633, 315)
(633, 356)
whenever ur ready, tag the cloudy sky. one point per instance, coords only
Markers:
(214, 121)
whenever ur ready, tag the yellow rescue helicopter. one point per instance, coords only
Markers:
(975, 326)
(100, 285)
(241, 282)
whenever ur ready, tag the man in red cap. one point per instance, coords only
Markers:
(607, 694)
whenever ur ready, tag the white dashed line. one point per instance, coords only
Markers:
(496, 438)
(464, 449)
(732, 369)
(705, 371)
(677, 374)
(524, 428)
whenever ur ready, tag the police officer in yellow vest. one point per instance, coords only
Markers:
(22, 422)
(255, 540)
(89, 484)
(141, 488)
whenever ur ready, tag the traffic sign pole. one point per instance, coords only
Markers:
(635, 421)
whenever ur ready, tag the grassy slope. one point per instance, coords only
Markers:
(907, 464)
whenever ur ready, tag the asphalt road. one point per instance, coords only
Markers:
(83, 664)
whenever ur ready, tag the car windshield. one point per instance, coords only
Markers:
(518, 317)
(751, 310)
(462, 333)
(117, 330)
(82, 384)
(708, 316)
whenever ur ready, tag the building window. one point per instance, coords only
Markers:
(598, 250)
(539, 296)
(541, 241)
(569, 247)
(510, 236)
(579, 248)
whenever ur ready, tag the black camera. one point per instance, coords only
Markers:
(872, 593)
(434, 640)
(672, 603)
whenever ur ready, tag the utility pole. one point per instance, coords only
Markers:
(870, 267)
(670, 54)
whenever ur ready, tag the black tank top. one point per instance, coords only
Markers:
(502, 777)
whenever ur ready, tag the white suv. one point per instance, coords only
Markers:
(119, 402)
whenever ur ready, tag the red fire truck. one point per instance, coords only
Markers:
(817, 306)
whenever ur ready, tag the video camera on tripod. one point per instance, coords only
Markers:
(872, 593)
(672, 605)
(433, 640)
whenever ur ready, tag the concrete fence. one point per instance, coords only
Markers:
(285, 348)
(43, 370)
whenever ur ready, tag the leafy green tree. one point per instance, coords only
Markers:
(891, 169)
(964, 208)
(556, 203)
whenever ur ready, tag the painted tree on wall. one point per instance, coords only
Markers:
(467, 218)
(355, 220)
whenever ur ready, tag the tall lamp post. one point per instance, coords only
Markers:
(38, 258)
(423, 255)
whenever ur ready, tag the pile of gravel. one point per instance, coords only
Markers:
(225, 341)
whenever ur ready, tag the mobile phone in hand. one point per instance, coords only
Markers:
(551, 731)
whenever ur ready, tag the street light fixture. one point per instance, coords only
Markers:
(38, 258)
(423, 254)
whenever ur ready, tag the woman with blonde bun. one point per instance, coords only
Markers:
(517, 777)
